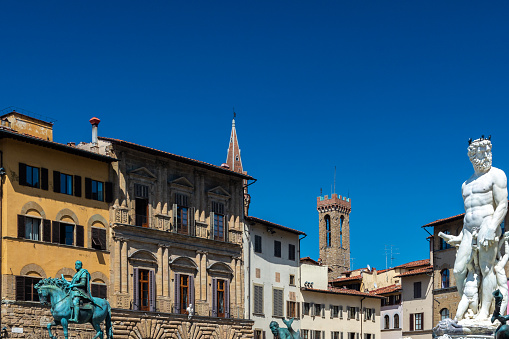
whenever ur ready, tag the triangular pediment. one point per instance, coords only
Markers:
(219, 191)
(143, 172)
(182, 181)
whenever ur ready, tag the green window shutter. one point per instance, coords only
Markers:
(56, 181)
(108, 191)
(46, 230)
(21, 226)
(80, 236)
(44, 179)
(77, 186)
(22, 174)
(88, 188)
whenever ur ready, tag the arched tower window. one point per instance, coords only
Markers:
(327, 231)
(445, 278)
(443, 244)
(386, 322)
(396, 321)
(341, 220)
(444, 313)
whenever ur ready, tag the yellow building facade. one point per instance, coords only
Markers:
(54, 209)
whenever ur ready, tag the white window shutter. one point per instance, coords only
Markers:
(357, 313)
(323, 310)
(373, 318)
(331, 309)
(364, 313)
(341, 315)
(348, 312)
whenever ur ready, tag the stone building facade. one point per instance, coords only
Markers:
(176, 233)
(334, 233)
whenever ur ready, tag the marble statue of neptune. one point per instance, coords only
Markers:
(485, 200)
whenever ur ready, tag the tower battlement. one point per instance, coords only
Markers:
(335, 202)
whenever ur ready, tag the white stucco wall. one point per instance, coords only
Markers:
(314, 274)
(269, 265)
(327, 324)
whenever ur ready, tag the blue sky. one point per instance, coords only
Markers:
(387, 91)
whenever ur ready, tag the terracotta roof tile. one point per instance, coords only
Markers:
(441, 221)
(355, 277)
(342, 291)
(177, 157)
(387, 289)
(417, 271)
(314, 262)
(414, 264)
(281, 227)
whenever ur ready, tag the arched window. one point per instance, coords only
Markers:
(341, 220)
(443, 244)
(445, 278)
(444, 313)
(327, 231)
(396, 321)
(386, 322)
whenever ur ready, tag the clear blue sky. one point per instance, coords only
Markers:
(387, 91)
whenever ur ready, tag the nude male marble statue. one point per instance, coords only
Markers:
(485, 199)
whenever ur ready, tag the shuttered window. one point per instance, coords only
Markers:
(291, 252)
(258, 244)
(277, 302)
(25, 290)
(98, 238)
(99, 290)
(417, 289)
(277, 249)
(258, 299)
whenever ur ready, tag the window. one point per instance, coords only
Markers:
(99, 290)
(259, 334)
(98, 238)
(351, 335)
(292, 280)
(351, 313)
(443, 244)
(444, 313)
(416, 321)
(334, 311)
(445, 278)
(305, 309)
(25, 290)
(258, 244)
(369, 314)
(396, 321)
(144, 290)
(292, 309)
(67, 234)
(318, 335)
(386, 322)
(218, 209)
(97, 190)
(29, 228)
(277, 249)
(141, 205)
(221, 309)
(304, 334)
(327, 231)
(29, 176)
(291, 252)
(318, 310)
(417, 289)
(182, 213)
(277, 301)
(66, 183)
(184, 293)
(258, 299)
(341, 220)
(335, 335)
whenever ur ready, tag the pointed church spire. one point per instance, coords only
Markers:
(233, 158)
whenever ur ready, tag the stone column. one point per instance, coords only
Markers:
(117, 270)
(203, 276)
(159, 273)
(166, 272)
(124, 267)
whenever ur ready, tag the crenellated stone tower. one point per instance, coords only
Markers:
(334, 229)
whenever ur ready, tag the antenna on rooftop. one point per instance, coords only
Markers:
(387, 250)
(334, 179)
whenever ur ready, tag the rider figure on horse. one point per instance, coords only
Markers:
(80, 289)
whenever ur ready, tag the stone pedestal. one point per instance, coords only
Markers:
(448, 328)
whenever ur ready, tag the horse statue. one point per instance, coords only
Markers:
(57, 293)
